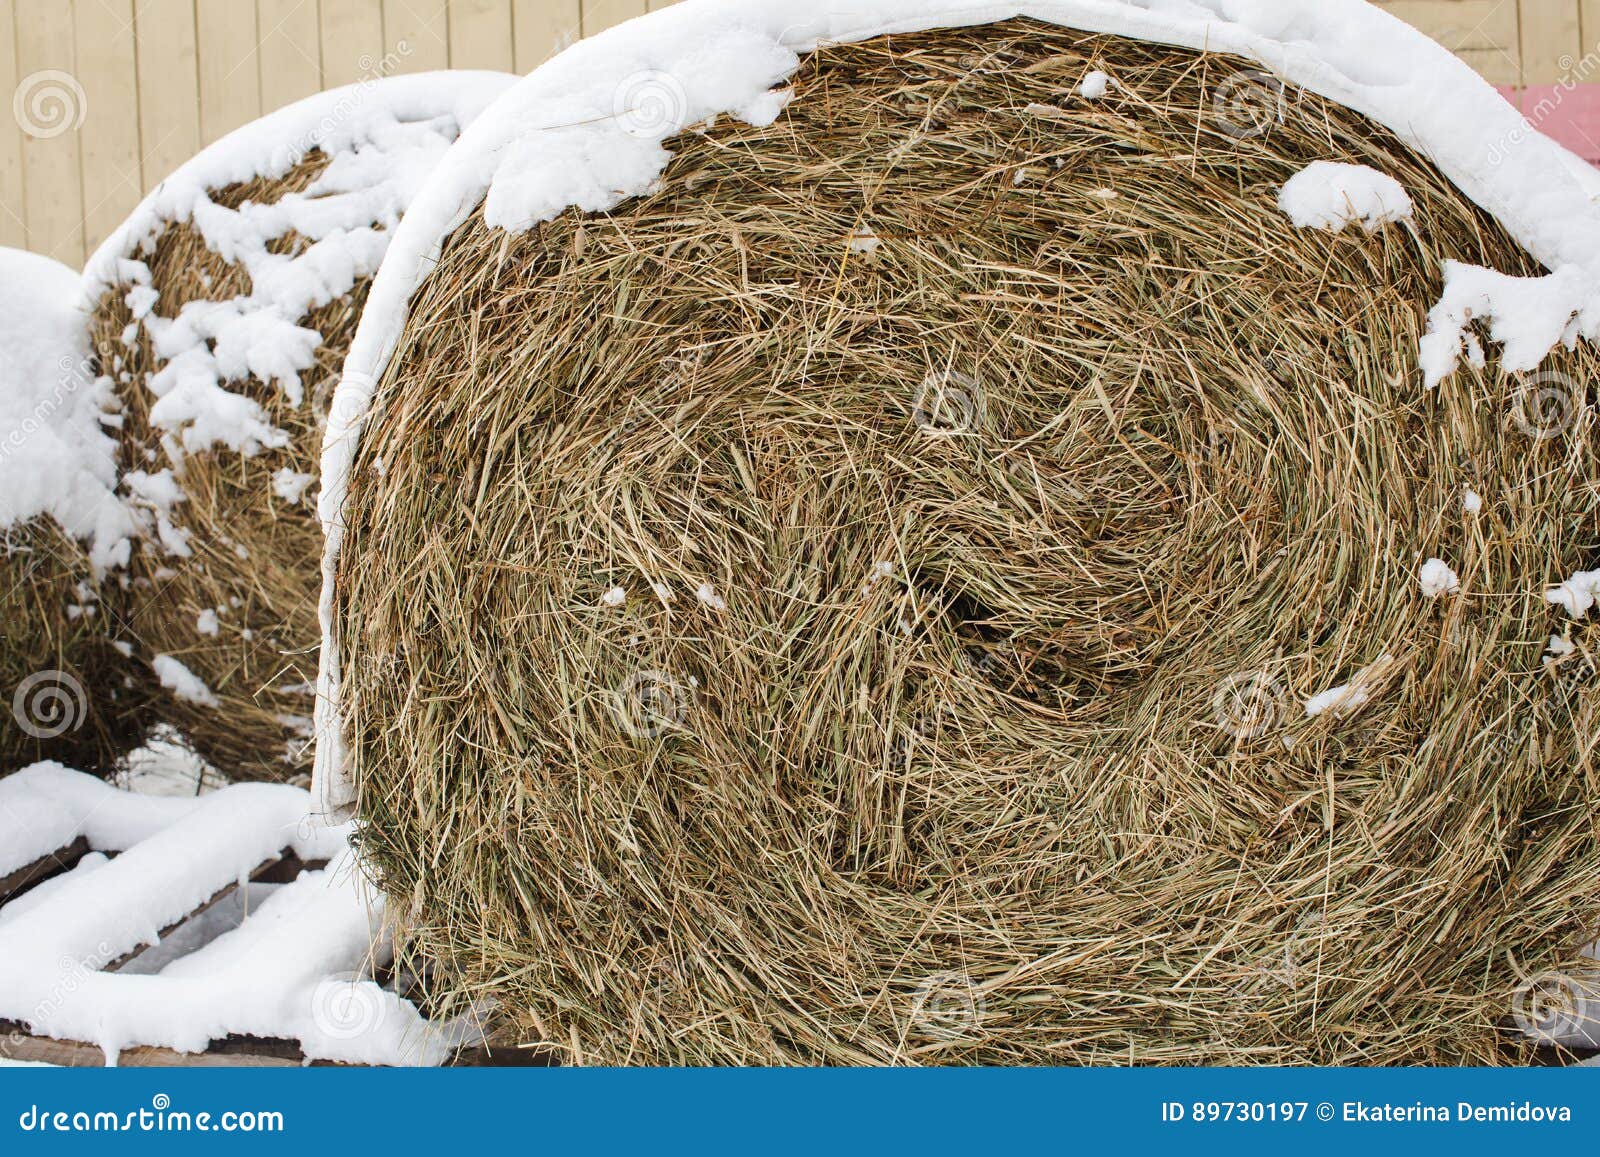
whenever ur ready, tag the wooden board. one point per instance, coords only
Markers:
(543, 28)
(598, 15)
(169, 90)
(30, 876)
(417, 32)
(280, 869)
(13, 213)
(230, 69)
(481, 34)
(113, 164)
(289, 51)
(51, 107)
(1551, 41)
(352, 40)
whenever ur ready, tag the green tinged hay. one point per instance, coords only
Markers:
(1028, 530)
(256, 558)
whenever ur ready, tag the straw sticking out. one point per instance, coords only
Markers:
(1009, 548)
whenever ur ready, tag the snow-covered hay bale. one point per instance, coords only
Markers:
(62, 693)
(938, 565)
(224, 308)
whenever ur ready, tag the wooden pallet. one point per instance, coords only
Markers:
(17, 1044)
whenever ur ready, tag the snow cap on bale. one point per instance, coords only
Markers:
(843, 534)
(57, 461)
(222, 309)
(61, 522)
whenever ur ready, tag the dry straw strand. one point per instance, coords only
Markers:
(989, 475)
(255, 557)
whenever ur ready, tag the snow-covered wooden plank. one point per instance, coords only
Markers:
(281, 869)
(155, 883)
(234, 1052)
(480, 34)
(47, 807)
(297, 969)
(46, 867)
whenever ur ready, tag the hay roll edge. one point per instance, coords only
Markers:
(222, 311)
(558, 141)
(64, 527)
(938, 565)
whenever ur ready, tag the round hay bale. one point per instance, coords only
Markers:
(61, 528)
(224, 308)
(940, 567)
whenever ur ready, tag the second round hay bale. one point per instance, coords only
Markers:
(941, 573)
(62, 679)
(225, 306)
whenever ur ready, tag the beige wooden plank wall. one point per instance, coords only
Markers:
(109, 96)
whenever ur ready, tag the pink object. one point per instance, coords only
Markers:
(1567, 113)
